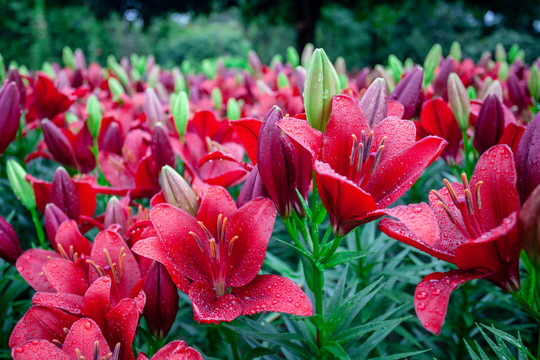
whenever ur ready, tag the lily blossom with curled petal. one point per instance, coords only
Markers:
(360, 170)
(215, 257)
(477, 232)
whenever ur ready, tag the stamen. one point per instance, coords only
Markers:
(79, 355)
(377, 159)
(96, 350)
(231, 243)
(363, 137)
(219, 226)
(96, 267)
(224, 230)
(111, 264)
(353, 150)
(121, 262)
(464, 180)
(360, 158)
(469, 201)
(447, 210)
(62, 251)
(197, 239)
(116, 353)
(75, 256)
(57, 343)
(66, 330)
(208, 234)
(71, 252)
(477, 194)
(213, 248)
(367, 148)
(451, 191)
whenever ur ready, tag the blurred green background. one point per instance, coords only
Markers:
(363, 32)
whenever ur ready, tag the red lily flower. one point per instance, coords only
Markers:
(475, 230)
(222, 248)
(360, 171)
(46, 101)
(176, 350)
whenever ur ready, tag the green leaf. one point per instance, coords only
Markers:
(359, 331)
(345, 256)
(305, 206)
(406, 355)
(335, 349)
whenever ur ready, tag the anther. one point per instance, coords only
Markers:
(213, 248)
(231, 243)
(360, 158)
(353, 150)
(464, 180)
(96, 267)
(447, 210)
(451, 191)
(122, 257)
(116, 353)
(208, 234)
(57, 343)
(377, 159)
(469, 201)
(79, 355)
(197, 239)
(477, 194)
(71, 252)
(66, 330)
(62, 251)
(367, 148)
(96, 350)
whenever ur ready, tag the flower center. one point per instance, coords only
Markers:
(218, 252)
(468, 205)
(115, 272)
(362, 162)
(110, 356)
(72, 255)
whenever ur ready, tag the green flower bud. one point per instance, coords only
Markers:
(343, 81)
(455, 51)
(179, 108)
(179, 80)
(48, 69)
(500, 53)
(275, 60)
(21, 187)
(431, 62)
(512, 53)
(534, 83)
(459, 100)
(209, 69)
(306, 54)
(116, 89)
(217, 98)
(282, 80)
(340, 65)
(471, 92)
(396, 66)
(233, 109)
(177, 192)
(93, 109)
(322, 83)
(292, 57)
(503, 71)
(68, 57)
(494, 88)
(118, 70)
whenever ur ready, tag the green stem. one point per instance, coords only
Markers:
(39, 229)
(467, 148)
(232, 338)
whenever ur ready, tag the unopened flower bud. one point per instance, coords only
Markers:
(340, 65)
(13, 75)
(528, 159)
(408, 91)
(10, 248)
(322, 83)
(459, 100)
(53, 217)
(440, 84)
(20, 186)
(58, 144)
(93, 108)
(516, 92)
(64, 194)
(500, 53)
(374, 103)
(233, 109)
(396, 66)
(10, 114)
(116, 89)
(455, 51)
(494, 88)
(282, 80)
(116, 214)
(292, 57)
(431, 62)
(503, 71)
(255, 63)
(217, 98)
(306, 54)
(153, 108)
(534, 83)
(529, 226)
(489, 125)
(177, 191)
(300, 73)
(80, 59)
(68, 57)
(179, 109)
(112, 139)
(162, 150)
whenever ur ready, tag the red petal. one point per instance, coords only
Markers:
(300, 131)
(87, 198)
(82, 336)
(178, 246)
(30, 265)
(396, 175)
(395, 108)
(42, 191)
(46, 323)
(70, 303)
(248, 132)
(65, 276)
(346, 119)
(253, 223)
(273, 293)
(498, 192)
(68, 235)
(17, 335)
(121, 327)
(400, 134)
(39, 350)
(345, 202)
(176, 350)
(206, 123)
(432, 294)
(220, 156)
(208, 308)
(97, 300)
(216, 200)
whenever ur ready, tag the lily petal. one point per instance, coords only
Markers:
(82, 336)
(208, 308)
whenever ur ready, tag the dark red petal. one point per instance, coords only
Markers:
(70, 303)
(300, 131)
(87, 198)
(395, 108)
(30, 265)
(65, 276)
(121, 327)
(346, 119)
(64, 194)
(396, 175)
(46, 323)
(253, 223)
(345, 202)
(68, 235)
(82, 336)
(39, 350)
(273, 293)
(216, 200)
(17, 335)
(409, 91)
(10, 247)
(208, 308)
(433, 293)
(498, 192)
(113, 243)
(400, 134)
(97, 300)
(205, 123)
(248, 131)
(178, 246)
(176, 350)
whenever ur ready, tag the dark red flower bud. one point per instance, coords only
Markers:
(10, 248)
(374, 103)
(489, 124)
(112, 139)
(64, 194)
(408, 91)
(283, 167)
(58, 144)
(528, 159)
(54, 217)
(252, 188)
(162, 151)
(116, 214)
(516, 91)
(161, 300)
(153, 108)
(77, 79)
(13, 75)
(440, 85)
(529, 226)
(10, 114)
